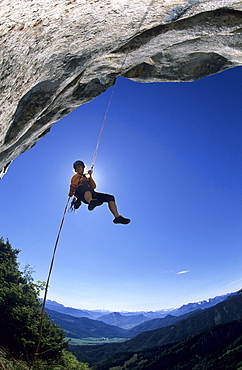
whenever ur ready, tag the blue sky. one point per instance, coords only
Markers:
(171, 154)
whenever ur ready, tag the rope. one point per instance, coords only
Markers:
(102, 126)
(66, 207)
(48, 280)
(113, 89)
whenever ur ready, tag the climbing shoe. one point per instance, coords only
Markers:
(121, 220)
(94, 203)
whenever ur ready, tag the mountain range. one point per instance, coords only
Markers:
(82, 324)
(125, 322)
(55, 306)
(117, 318)
(202, 323)
(83, 328)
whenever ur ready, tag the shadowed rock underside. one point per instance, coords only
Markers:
(56, 56)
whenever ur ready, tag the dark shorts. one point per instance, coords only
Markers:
(102, 197)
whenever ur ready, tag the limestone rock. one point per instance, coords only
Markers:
(57, 55)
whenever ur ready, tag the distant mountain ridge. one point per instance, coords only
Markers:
(55, 306)
(109, 317)
(223, 313)
(125, 322)
(83, 327)
(201, 304)
(158, 323)
(82, 324)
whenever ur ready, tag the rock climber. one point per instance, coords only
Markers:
(82, 187)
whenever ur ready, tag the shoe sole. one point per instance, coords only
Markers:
(124, 222)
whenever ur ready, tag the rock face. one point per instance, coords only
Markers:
(57, 55)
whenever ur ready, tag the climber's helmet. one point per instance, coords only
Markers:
(78, 163)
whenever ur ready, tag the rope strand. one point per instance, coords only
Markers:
(66, 207)
(48, 279)
(102, 126)
(114, 86)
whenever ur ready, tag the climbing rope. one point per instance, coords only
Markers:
(48, 280)
(37, 353)
(113, 89)
(102, 126)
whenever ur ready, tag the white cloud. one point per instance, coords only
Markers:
(183, 272)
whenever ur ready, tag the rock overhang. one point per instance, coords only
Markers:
(58, 56)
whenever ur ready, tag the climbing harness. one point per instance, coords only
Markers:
(75, 203)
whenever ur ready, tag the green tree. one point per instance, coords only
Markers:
(70, 362)
(20, 311)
